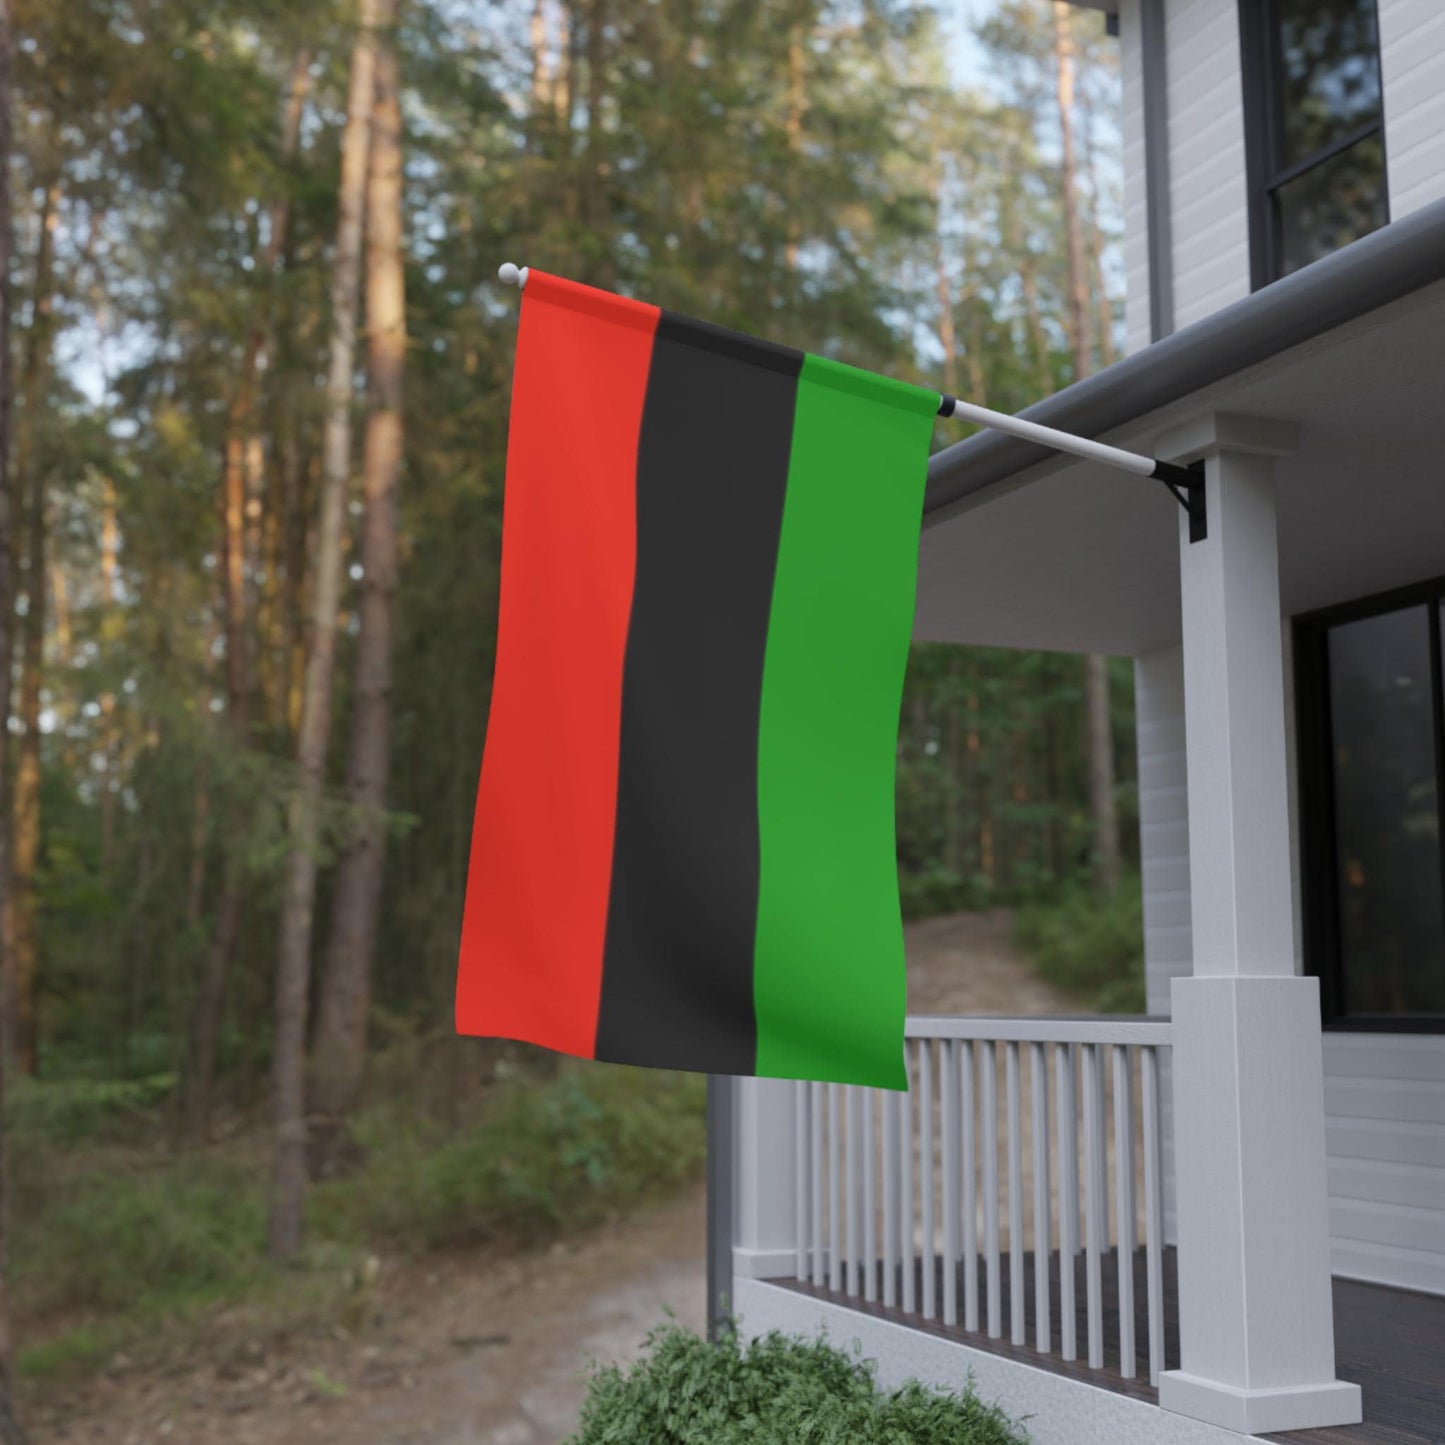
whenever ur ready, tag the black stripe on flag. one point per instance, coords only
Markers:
(712, 471)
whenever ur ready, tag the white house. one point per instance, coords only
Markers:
(1258, 1167)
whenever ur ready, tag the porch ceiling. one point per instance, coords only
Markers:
(1071, 557)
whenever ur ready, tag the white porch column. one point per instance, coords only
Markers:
(764, 1240)
(1256, 1327)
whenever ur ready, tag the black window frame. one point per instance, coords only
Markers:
(1264, 144)
(1319, 877)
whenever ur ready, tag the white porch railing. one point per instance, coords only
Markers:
(900, 1199)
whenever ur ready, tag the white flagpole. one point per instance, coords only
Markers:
(1186, 485)
(1060, 441)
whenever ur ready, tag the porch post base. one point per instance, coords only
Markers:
(1283, 1407)
(764, 1263)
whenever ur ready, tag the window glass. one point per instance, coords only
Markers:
(1392, 913)
(1331, 204)
(1329, 76)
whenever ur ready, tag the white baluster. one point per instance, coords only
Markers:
(853, 1183)
(815, 1109)
(905, 1222)
(1018, 1321)
(948, 1087)
(1043, 1229)
(1124, 1203)
(1094, 1224)
(835, 1202)
(870, 1232)
(891, 1183)
(1068, 1197)
(1153, 1213)
(925, 1183)
(970, 1192)
(988, 1108)
(800, 1175)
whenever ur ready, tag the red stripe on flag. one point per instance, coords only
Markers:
(541, 860)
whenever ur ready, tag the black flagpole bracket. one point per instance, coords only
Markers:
(1187, 486)
(1186, 483)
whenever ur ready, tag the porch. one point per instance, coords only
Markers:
(990, 1221)
(1389, 1341)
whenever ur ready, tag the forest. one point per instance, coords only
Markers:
(253, 419)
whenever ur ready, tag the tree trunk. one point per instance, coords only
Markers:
(64, 707)
(953, 772)
(109, 550)
(1078, 289)
(544, 83)
(60, 592)
(196, 878)
(943, 291)
(1107, 865)
(974, 743)
(208, 1008)
(973, 339)
(1099, 732)
(11, 1430)
(243, 468)
(1102, 305)
(30, 480)
(340, 1046)
(302, 486)
(564, 86)
(293, 964)
(595, 183)
(1016, 242)
(797, 105)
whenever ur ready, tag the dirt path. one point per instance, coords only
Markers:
(966, 963)
(463, 1350)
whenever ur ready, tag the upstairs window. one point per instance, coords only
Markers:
(1315, 129)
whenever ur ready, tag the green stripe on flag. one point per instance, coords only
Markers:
(829, 981)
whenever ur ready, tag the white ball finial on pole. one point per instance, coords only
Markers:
(511, 275)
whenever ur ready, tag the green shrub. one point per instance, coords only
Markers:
(123, 1239)
(70, 1110)
(937, 890)
(1089, 946)
(548, 1155)
(775, 1391)
(113, 1239)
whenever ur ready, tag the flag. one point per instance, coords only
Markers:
(683, 852)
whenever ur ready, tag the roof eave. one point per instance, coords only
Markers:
(1369, 273)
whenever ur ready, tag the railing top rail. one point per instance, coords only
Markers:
(1144, 1029)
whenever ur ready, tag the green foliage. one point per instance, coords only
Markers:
(773, 1391)
(992, 780)
(71, 1110)
(1091, 946)
(127, 1236)
(935, 890)
(139, 1237)
(546, 1156)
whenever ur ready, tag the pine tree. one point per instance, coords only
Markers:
(293, 964)
(340, 1047)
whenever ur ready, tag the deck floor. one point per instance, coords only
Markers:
(1391, 1342)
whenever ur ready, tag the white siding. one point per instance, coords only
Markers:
(1208, 192)
(1412, 66)
(1163, 821)
(1384, 1093)
(1136, 211)
(1209, 200)
(1385, 1129)
(1164, 854)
